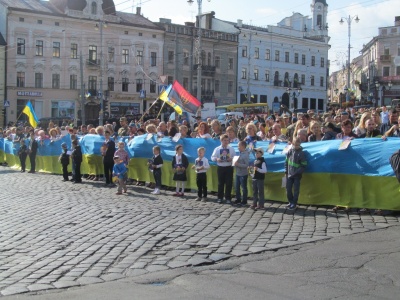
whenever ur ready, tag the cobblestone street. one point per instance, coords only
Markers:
(55, 234)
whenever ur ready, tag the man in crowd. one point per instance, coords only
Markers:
(278, 136)
(384, 115)
(124, 130)
(393, 122)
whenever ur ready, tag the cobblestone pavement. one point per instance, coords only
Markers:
(55, 234)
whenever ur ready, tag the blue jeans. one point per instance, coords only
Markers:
(241, 182)
(258, 192)
(293, 184)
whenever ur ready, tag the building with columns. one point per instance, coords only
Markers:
(121, 57)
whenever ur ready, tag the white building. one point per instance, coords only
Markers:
(46, 40)
(291, 55)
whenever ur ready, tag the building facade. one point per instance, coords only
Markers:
(2, 79)
(50, 43)
(218, 60)
(381, 65)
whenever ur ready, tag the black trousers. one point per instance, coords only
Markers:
(201, 181)
(77, 170)
(32, 158)
(108, 169)
(225, 180)
(65, 171)
(157, 177)
(22, 159)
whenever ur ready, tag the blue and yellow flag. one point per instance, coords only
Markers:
(30, 112)
(164, 97)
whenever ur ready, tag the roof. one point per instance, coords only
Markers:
(136, 20)
(31, 5)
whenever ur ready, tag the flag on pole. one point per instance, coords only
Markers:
(30, 112)
(164, 97)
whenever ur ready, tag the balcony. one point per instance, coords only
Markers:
(207, 70)
(386, 58)
(93, 63)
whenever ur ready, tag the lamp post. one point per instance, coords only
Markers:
(199, 49)
(100, 26)
(348, 19)
(296, 93)
(381, 94)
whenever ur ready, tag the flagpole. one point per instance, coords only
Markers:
(160, 110)
(145, 113)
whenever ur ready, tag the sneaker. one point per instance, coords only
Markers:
(219, 201)
(243, 203)
(292, 207)
(260, 207)
(181, 194)
(157, 192)
(228, 202)
(288, 205)
(153, 192)
(253, 207)
(237, 202)
(204, 199)
(118, 193)
(176, 194)
(198, 199)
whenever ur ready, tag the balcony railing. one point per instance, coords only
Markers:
(93, 63)
(386, 58)
(207, 70)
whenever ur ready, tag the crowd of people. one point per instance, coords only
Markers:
(290, 128)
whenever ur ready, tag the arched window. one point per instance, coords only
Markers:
(296, 82)
(209, 59)
(286, 83)
(94, 8)
(276, 79)
(319, 21)
(203, 57)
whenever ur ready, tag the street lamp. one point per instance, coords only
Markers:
(348, 19)
(100, 26)
(381, 94)
(296, 93)
(199, 50)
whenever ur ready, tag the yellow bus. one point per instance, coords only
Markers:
(246, 109)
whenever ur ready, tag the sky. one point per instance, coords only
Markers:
(372, 14)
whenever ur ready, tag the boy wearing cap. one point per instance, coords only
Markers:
(64, 160)
(120, 171)
(260, 168)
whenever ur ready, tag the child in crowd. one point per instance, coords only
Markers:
(260, 168)
(201, 166)
(122, 153)
(155, 166)
(120, 171)
(22, 154)
(179, 166)
(223, 156)
(295, 165)
(241, 166)
(76, 157)
(64, 160)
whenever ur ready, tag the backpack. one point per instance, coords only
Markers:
(395, 163)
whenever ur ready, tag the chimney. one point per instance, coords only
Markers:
(397, 21)
(138, 10)
(239, 23)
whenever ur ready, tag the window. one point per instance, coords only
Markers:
(398, 50)
(296, 58)
(93, 54)
(244, 51)
(74, 51)
(386, 71)
(154, 36)
(140, 34)
(126, 32)
(217, 62)
(268, 54)
(39, 21)
(186, 58)
(322, 62)
(287, 57)
(110, 83)
(111, 54)
(216, 86)
(313, 61)
(312, 80)
(276, 79)
(170, 57)
(55, 81)
(303, 59)
(125, 56)
(303, 79)
(230, 86)
(56, 23)
(153, 59)
(321, 81)
(139, 85)
(20, 79)
(255, 74)
(39, 80)
(230, 63)
(256, 52)
(21, 46)
(21, 19)
(244, 73)
(267, 75)
(185, 82)
(386, 50)
(153, 86)
(39, 48)
(170, 79)
(209, 59)
(398, 71)
(125, 84)
(276, 55)
(139, 57)
(94, 8)
(73, 82)
(56, 49)
(92, 87)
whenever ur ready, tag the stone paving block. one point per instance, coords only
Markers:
(40, 287)
(14, 289)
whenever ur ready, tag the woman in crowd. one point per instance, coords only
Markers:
(252, 136)
(202, 131)
(216, 129)
(314, 132)
(361, 129)
(230, 131)
(184, 131)
(347, 131)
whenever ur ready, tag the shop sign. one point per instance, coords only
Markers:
(29, 94)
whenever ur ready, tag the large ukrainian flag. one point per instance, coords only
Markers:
(30, 112)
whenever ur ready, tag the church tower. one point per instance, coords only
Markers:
(319, 8)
